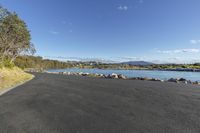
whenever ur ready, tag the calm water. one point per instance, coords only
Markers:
(164, 75)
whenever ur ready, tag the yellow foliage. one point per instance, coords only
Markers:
(10, 77)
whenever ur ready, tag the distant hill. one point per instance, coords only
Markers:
(138, 63)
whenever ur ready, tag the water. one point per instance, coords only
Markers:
(164, 75)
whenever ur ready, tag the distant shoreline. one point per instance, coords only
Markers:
(175, 69)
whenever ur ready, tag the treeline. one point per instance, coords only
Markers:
(174, 66)
(15, 38)
(38, 62)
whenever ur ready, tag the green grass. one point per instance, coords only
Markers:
(10, 77)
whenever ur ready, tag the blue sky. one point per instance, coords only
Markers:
(113, 30)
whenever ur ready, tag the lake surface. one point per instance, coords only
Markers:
(164, 75)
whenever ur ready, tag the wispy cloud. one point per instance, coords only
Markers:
(54, 32)
(122, 8)
(83, 59)
(69, 23)
(176, 51)
(97, 59)
(176, 60)
(124, 59)
(169, 59)
(195, 41)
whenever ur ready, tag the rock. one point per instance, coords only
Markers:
(75, 73)
(155, 79)
(61, 72)
(173, 80)
(95, 75)
(109, 76)
(185, 82)
(80, 73)
(145, 78)
(67, 73)
(120, 76)
(132, 78)
(102, 76)
(114, 75)
(189, 82)
(182, 79)
(84, 74)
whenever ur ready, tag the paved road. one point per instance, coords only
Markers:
(68, 104)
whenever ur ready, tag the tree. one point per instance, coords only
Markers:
(3, 13)
(15, 38)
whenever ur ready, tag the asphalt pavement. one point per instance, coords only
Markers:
(72, 104)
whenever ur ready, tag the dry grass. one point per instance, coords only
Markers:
(10, 77)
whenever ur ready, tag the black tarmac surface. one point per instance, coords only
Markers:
(69, 104)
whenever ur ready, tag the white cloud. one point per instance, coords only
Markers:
(176, 60)
(68, 23)
(195, 41)
(54, 32)
(179, 51)
(84, 59)
(124, 59)
(122, 8)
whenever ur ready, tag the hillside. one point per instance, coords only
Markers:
(10, 77)
(138, 63)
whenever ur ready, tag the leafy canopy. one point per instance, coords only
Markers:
(15, 38)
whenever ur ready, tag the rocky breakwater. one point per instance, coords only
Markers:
(120, 76)
(182, 80)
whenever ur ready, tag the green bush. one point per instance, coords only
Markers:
(7, 63)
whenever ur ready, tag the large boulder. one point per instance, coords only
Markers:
(182, 79)
(61, 72)
(155, 79)
(173, 80)
(80, 73)
(189, 82)
(102, 76)
(85, 74)
(114, 75)
(67, 73)
(120, 76)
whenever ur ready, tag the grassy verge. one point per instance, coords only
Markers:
(10, 77)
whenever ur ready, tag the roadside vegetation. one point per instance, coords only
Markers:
(40, 63)
(15, 41)
(12, 76)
